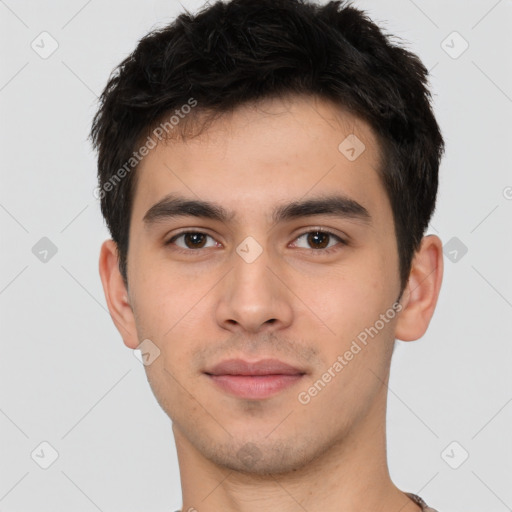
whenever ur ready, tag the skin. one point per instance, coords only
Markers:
(302, 308)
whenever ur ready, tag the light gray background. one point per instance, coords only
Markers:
(66, 377)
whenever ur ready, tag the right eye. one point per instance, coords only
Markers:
(191, 240)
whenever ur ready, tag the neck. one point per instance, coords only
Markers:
(349, 476)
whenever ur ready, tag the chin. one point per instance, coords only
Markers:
(260, 457)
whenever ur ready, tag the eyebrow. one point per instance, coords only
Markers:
(172, 206)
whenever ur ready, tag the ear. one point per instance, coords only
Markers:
(116, 294)
(420, 295)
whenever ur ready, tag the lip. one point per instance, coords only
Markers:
(254, 380)
(261, 367)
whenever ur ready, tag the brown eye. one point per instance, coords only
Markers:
(317, 240)
(194, 240)
(191, 240)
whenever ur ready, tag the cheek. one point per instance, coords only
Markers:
(164, 297)
(348, 298)
(172, 310)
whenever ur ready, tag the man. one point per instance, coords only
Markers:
(267, 170)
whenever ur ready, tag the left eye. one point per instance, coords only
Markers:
(319, 239)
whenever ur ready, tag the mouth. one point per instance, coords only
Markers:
(254, 380)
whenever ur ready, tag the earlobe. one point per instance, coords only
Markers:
(116, 294)
(422, 291)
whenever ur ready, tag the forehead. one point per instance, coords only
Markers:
(264, 154)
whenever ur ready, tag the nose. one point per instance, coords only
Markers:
(254, 297)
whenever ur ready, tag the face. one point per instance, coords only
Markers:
(293, 259)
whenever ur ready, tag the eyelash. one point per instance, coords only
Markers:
(316, 252)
